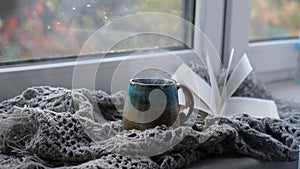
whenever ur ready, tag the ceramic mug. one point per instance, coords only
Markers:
(153, 102)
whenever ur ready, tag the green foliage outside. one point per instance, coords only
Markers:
(274, 19)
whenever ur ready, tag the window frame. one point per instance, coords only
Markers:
(209, 16)
(226, 23)
(272, 60)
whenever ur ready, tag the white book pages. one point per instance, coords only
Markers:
(224, 89)
(198, 86)
(214, 85)
(238, 75)
(208, 99)
(259, 108)
(198, 104)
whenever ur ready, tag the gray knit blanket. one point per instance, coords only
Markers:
(50, 127)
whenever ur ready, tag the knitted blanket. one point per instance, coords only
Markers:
(49, 127)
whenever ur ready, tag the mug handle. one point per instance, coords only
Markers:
(189, 102)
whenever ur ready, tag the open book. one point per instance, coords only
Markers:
(215, 99)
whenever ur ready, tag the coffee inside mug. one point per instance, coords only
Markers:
(152, 81)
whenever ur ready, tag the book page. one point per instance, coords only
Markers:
(259, 108)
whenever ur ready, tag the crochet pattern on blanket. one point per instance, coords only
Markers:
(47, 127)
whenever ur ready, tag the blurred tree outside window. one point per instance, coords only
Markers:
(274, 19)
(39, 29)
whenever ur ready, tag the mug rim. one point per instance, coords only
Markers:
(172, 81)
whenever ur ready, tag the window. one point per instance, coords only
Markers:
(42, 35)
(49, 29)
(23, 65)
(272, 53)
(274, 19)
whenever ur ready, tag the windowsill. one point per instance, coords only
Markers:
(241, 163)
(287, 89)
(15, 80)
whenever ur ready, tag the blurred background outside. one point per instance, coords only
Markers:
(36, 29)
(274, 19)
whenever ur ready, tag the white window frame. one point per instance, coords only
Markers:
(272, 60)
(280, 56)
(209, 16)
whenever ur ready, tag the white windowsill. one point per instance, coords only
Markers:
(288, 89)
(240, 162)
(16, 79)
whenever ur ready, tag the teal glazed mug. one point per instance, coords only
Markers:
(153, 102)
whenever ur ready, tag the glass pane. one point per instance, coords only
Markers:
(47, 29)
(274, 19)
